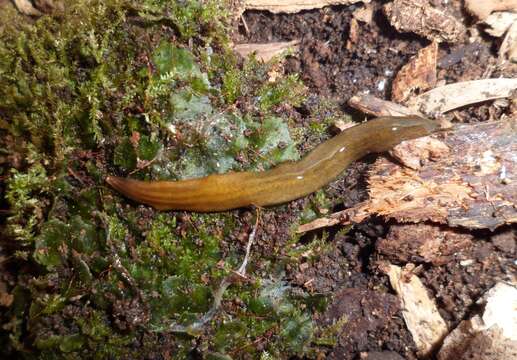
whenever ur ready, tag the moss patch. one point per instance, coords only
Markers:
(151, 90)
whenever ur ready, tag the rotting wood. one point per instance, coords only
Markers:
(418, 74)
(419, 311)
(449, 97)
(372, 105)
(428, 243)
(499, 22)
(490, 336)
(293, 6)
(267, 51)
(508, 49)
(483, 8)
(474, 186)
(420, 17)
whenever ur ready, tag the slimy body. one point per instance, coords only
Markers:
(283, 183)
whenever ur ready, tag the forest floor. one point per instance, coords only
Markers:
(155, 91)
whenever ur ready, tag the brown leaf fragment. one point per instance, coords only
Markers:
(420, 17)
(423, 243)
(483, 8)
(293, 6)
(414, 153)
(418, 74)
(266, 51)
(352, 215)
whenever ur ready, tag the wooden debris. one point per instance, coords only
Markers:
(508, 49)
(483, 8)
(418, 74)
(294, 6)
(420, 17)
(353, 34)
(499, 22)
(419, 311)
(449, 97)
(348, 216)
(492, 336)
(474, 187)
(423, 243)
(364, 14)
(372, 105)
(412, 153)
(267, 51)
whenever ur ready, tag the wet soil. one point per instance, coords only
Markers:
(335, 64)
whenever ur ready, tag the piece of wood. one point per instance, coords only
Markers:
(449, 97)
(508, 49)
(483, 8)
(420, 17)
(427, 243)
(294, 6)
(372, 105)
(419, 311)
(499, 22)
(266, 51)
(418, 74)
(474, 186)
(488, 336)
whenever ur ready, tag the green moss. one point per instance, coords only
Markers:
(118, 86)
(24, 190)
(328, 336)
(125, 156)
(288, 90)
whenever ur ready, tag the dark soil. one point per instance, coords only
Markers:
(333, 66)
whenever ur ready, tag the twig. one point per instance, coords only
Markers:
(218, 294)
